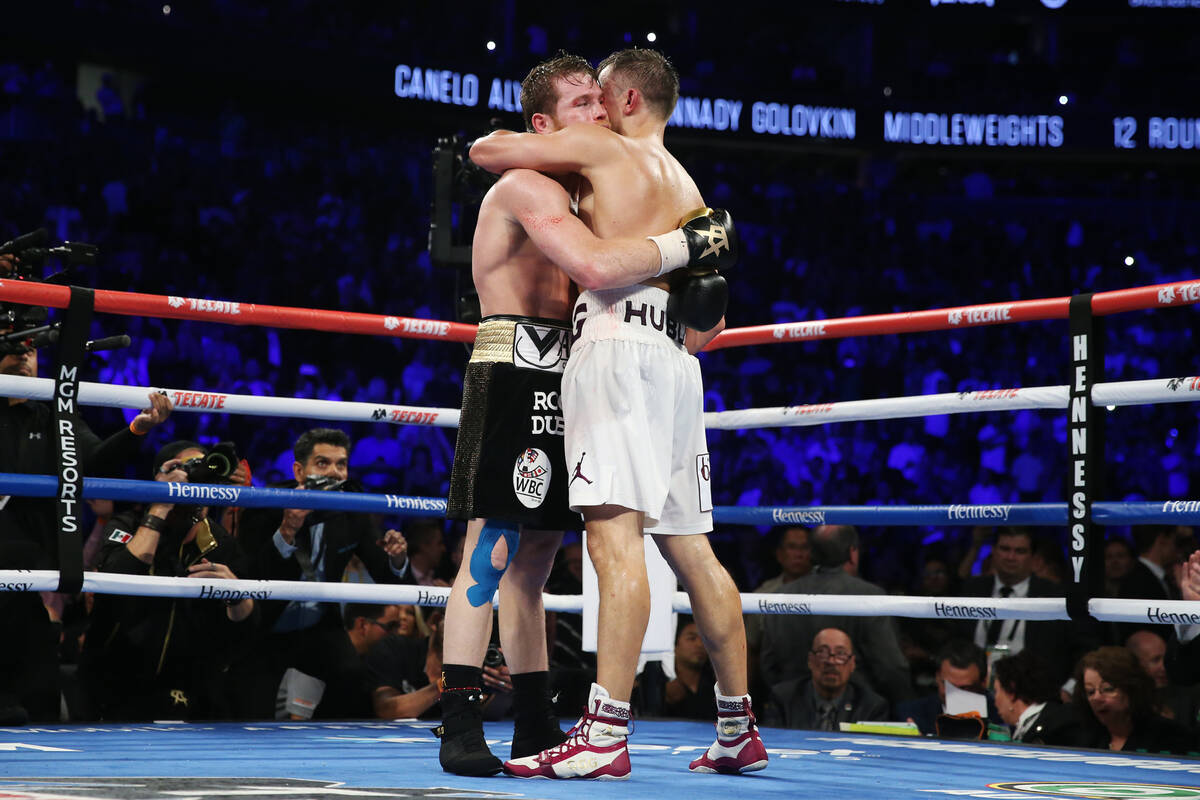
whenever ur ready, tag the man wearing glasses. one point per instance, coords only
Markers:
(400, 672)
(787, 638)
(828, 697)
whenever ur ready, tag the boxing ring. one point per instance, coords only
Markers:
(399, 759)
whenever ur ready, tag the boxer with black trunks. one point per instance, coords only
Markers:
(633, 406)
(509, 477)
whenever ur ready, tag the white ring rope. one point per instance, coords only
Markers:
(959, 608)
(1120, 393)
(134, 397)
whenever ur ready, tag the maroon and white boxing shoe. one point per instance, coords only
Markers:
(738, 748)
(595, 748)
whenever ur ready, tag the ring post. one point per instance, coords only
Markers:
(71, 356)
(1086, 441)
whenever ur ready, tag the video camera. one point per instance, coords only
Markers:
(216, 467)
(458, 188)
(24, 327)
(30, 252)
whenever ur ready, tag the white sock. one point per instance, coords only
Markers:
(600, 703)
(738, 721)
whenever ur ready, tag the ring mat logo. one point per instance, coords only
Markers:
(217, 789)
(1102, 790)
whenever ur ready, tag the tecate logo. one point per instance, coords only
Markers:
(800, 330)
(1169, 295)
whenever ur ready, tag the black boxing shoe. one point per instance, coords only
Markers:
(535, 733)
(463, 750)
(535, 724)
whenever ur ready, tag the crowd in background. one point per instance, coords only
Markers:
(303, 211)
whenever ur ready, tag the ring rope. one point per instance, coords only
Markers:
(134, 397)
(942, 319)
(237, 313)
(1120, 393)
(1117, 393)
(1029, 608)
(211, 494)
(1180, 512)
(939, 319)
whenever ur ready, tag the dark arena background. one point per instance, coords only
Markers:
(937, 200)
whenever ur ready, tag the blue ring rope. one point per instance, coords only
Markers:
(1182, 512)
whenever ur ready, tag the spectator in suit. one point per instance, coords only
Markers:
(1174, 701)
(787, 638)
(1027, 700)
(961, 663)
(299, 544)
(427, 552)
(793, 553)
(1012, 562)
(1115, 697)
(1150, 577)
(829, 696)
(1118, 561)
(922, 638)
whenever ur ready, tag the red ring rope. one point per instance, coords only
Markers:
(938, 319)
(235, 313)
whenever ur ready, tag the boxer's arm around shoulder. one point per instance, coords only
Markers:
(542, 207)
(575, 148)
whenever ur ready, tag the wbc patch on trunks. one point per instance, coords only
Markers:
(531, 477)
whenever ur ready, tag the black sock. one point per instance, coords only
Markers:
(460, 676)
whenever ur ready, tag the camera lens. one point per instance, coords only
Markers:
(218, 464)
(493, 657)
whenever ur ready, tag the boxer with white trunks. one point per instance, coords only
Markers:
(509, 478)
(632, 403)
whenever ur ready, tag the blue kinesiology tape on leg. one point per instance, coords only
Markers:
(487, 577)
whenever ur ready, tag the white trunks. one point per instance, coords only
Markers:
(633, 405)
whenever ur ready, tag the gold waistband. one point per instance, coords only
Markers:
(494, 341)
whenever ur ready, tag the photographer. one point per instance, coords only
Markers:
(299, 544)
(28, 526)
(153, 658)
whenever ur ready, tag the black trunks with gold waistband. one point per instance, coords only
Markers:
(508, 460)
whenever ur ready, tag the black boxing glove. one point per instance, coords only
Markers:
(706, 240)
(698, 300)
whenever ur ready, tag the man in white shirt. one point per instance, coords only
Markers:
(1012, 565)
